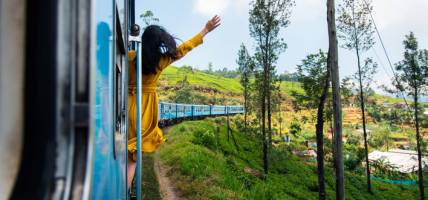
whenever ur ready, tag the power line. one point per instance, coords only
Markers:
(381, 64)
(386, 54)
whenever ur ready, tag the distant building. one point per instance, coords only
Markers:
(400, 105)
(404, 161)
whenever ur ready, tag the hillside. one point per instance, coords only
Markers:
(173, 74)
(219, 86)
(205, 164)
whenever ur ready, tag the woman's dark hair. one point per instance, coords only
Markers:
(156, 42)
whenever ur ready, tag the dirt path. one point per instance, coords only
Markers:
(167, 189)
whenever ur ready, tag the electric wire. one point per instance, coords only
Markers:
(387, 56)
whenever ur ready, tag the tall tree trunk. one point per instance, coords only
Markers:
(228, 125)
(264, 140)
(320, 138)
(418, 146)
(269, 113)
(245, 107)
(363, 110)
(337, 107)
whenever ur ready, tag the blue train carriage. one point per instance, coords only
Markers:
(172, 112)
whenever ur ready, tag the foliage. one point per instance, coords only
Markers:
(224, 72)
(148, 18)
(287, 76)
(347, 90)
(354, 26)
(246, 66)
(382, 138)
(368, 70)
(149, 180)
(267, 18)
(173, 75)
(312, 76)
(412, 72)
(412, 78)
(295, 128)
(224, 173)
(205, 138)
(185, 93)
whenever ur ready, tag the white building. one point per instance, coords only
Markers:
(404, 161)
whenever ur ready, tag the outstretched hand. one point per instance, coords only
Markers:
(211, 25)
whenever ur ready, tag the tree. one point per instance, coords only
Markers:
(356, 31)
(267, 17)
(314, 76)
(332, 64)
(245, 68)
(347, 89)
(287, 76)
(185, 92)
(148, 18)
(412, 77)
(210, 67)
(367, 72)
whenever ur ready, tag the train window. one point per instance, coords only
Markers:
(121, 8)
(118, 97)
(119, 136)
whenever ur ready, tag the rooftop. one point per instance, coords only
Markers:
(404, 161)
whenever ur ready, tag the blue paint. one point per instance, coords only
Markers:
(395, 182)
(109, 175)
(170, 111)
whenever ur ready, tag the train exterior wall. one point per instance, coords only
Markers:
(109, 171)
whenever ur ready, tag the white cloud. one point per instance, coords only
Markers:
(211, 7)
(393, 14)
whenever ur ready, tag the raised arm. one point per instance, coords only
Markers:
(187, 46)
(211, 25)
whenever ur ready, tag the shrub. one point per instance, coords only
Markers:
(205, 138)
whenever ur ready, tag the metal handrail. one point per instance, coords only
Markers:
(139, 121)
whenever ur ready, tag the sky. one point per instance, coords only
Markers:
(306, 34)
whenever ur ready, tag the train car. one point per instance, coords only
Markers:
(169, 112)
(63, 103)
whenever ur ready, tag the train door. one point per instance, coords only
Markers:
(110, 139)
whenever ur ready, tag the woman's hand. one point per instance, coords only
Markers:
(211, 25)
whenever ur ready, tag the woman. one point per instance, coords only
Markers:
(159, 50)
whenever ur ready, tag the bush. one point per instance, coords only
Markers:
(295, 128)
(205, 138)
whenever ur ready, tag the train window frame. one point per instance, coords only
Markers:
(120, 80)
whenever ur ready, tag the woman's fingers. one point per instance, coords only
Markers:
(213, 23)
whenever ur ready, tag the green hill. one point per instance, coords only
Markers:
(204, 83)
(198, 78)
(206, 164)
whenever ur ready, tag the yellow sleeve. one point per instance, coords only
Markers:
(184, 48)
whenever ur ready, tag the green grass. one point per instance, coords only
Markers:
(205, 165)
(287, 87)
(150, 183)
(197, 78)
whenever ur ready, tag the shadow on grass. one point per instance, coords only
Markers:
(150, 185)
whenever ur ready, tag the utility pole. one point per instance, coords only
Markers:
(337, 106)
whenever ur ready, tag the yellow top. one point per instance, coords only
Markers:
(151, 133)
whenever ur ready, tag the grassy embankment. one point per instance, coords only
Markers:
(205, 165)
